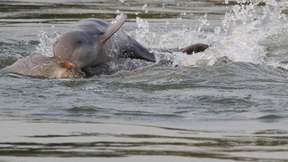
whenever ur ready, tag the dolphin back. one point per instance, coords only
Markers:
(137, 51)
(93, 25)
(121, 44)
(128, 47)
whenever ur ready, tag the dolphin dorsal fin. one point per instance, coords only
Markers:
(113, 28)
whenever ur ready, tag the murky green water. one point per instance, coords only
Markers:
(226, 104)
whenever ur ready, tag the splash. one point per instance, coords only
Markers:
(246, 27)
(46, 40)
(242, 36)
(143, 32)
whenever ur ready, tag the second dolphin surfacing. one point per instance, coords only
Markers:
(37, 65)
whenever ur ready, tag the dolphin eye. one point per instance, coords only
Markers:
(79, 42)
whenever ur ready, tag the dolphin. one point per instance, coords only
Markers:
(79, 53)
(96, 43)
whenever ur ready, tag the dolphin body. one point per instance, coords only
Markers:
(84, 52)
(88, 51)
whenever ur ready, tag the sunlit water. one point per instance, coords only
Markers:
(228, 103)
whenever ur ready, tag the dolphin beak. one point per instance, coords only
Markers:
(77, 72)
(68, 64)
(65, 63)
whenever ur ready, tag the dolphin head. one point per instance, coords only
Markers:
(79, 49)
(76, 49)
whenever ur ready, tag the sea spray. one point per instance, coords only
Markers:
(239, 38)
(46, 41)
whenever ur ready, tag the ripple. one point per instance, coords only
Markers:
(84, 109)
(271, 118)
(112, 112)
(226, 101)
(272, 132)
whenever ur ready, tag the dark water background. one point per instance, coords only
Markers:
(227, 104)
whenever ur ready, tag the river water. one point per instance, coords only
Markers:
(229, 103)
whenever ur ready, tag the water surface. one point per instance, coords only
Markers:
(228, 103)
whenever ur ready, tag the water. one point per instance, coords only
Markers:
(228, 103)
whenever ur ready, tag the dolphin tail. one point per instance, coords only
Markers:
(195, 48)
